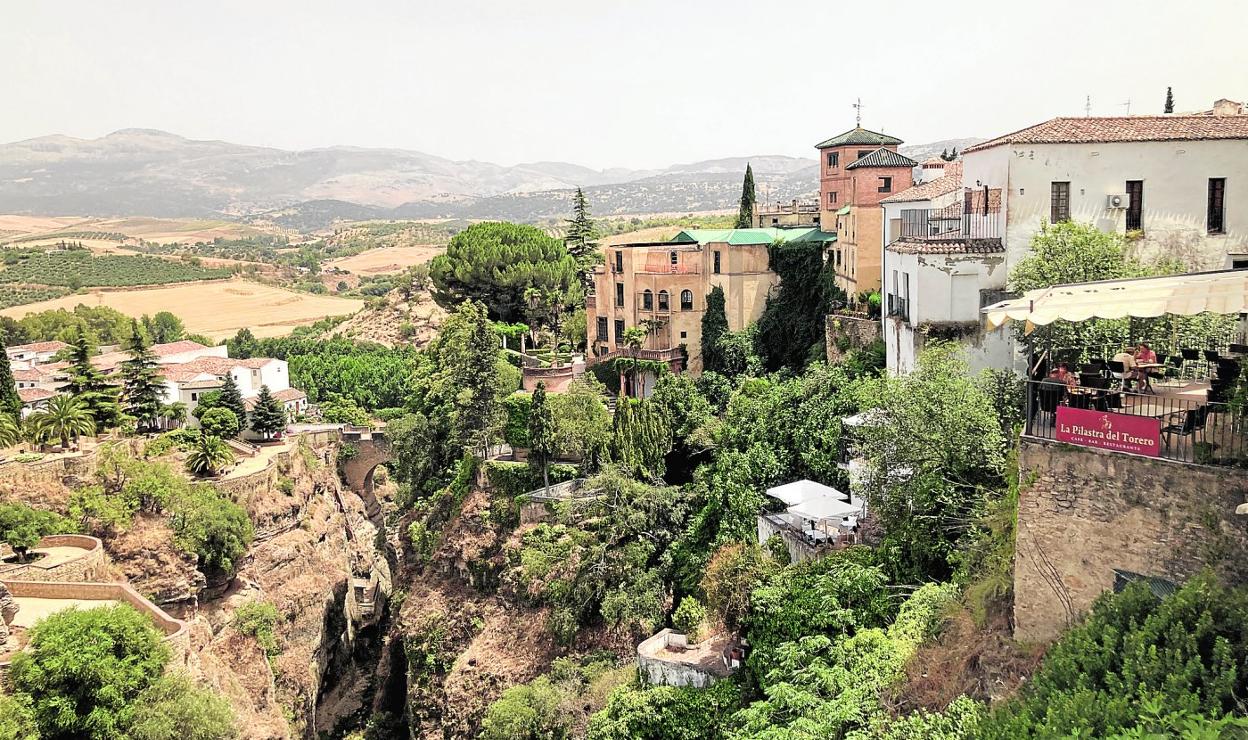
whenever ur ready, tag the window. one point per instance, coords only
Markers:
(619, 331)
(1217, 205)
(684, 335)
(602, 329)
(1059, 202)
(834, 159)
(717, 255)
(775, 221)
(832, 199)
(663, 304)
(686, 300)
(1135, 209)
(886, 185)
(675, 260)
(619, 261)
(647, 301)
(1239, 264)
(619, 295)
(863, 152)
(194, 396)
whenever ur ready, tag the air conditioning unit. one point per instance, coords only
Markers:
(1118, 200)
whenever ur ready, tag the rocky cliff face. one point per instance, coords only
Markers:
(314, 542)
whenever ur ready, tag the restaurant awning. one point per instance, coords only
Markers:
(1220, 292)
(804, 490)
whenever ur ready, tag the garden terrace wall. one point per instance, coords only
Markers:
(176, 635)
(1084, 513)
(91, 565)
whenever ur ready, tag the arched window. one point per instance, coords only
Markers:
(647, 301)
(686, 300)
(673, 256)
(663, 303)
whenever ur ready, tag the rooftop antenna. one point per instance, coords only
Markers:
(1128, 105)
(1087, 107)
(858, 113)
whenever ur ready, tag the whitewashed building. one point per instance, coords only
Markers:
(1176, 185)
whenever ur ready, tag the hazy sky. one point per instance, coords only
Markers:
(634, 83)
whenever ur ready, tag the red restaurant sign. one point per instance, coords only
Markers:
(1139, 435)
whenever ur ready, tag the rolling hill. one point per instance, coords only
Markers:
(155, 173)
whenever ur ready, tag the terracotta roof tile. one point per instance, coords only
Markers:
(32, 395)
(1094, 130)
(966, 246)
(174, 348)
(53, 346)
(23, 374)
(950, 182)
(290, 394)
(859, 135)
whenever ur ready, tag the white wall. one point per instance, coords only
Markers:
(1176, 184)
(275, 374)
(219, 350)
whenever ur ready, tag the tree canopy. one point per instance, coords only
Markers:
(496, 263)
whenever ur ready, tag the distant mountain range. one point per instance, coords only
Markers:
(143, 172)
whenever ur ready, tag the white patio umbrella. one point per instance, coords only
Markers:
(803, 490)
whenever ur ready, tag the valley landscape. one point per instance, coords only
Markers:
(434, 371)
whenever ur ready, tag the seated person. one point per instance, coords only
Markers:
(1062, 374)
(1129, 372)
(1144, 355)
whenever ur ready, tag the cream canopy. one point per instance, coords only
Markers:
(1220, 292)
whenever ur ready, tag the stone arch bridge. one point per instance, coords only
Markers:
(371, 449)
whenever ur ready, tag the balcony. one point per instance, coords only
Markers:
(952, 223)
(789, 209)
(898, 307)
(665, 268)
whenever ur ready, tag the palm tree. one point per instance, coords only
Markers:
(10, 430)
(174, 412)
(65, 418)
(209, 455)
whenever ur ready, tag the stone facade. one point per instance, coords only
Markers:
(851, 331)
(1083, 513)
(668, 659)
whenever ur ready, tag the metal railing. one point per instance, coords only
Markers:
(1184, 428)
(898, 307)
(794, 207)
(949, 224)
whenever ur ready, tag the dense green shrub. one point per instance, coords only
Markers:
(665, 713)
(208, 525)
(21, 526)
(172, 708)
(1186, 652)
(259, 620)
(511, 479)
(84, 668)
(516, 428)
(527, 712)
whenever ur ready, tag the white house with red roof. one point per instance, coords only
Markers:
(1176, 185)
(35, 353)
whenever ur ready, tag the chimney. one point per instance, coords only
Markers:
(1226, 107)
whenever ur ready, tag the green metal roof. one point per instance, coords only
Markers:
(859, 136)
(882, 158)
(844, 211)
(746, 237)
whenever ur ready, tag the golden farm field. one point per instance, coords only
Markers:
(387, 259)
(217, 309)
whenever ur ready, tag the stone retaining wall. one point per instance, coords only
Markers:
(176, 634)
(1083, 513)
(849, 331)
(90, 566)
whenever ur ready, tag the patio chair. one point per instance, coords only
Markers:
(1049, 396)
(1185, 424)
(1191, 358)
(1118, 372)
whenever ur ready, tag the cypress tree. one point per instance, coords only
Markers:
(581, 236)
(541, 425)
(141, 381)
(232, 398)
(269, 416)
(1169, 101)
(714, 326)
(745, 215)
(10, 402)
(89, 384)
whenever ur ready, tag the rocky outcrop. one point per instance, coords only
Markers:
(8, 610)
